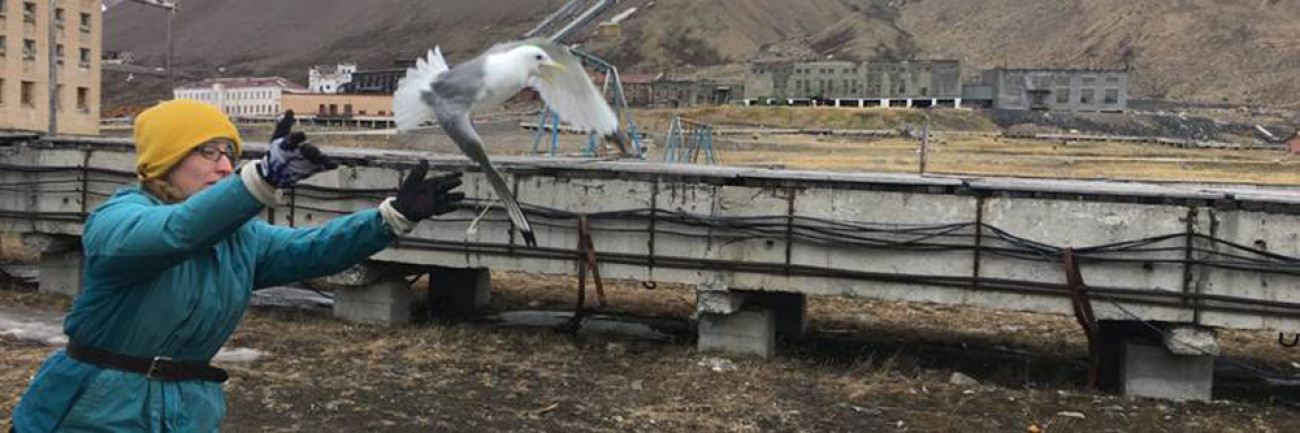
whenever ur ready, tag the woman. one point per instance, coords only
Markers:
(170, 265)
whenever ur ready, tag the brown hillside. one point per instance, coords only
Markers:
(1238, 51)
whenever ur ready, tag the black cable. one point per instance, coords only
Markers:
(1272, 378)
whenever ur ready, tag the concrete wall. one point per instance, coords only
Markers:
(1060, 213)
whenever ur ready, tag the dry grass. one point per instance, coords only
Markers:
(12, 250)
(870, 366)
(729, 116)
(1013, 157)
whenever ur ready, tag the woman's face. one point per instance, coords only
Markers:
(203, 167)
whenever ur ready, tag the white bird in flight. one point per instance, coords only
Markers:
(432, 90)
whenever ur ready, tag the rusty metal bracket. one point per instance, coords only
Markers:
(1083, 313)
(1281, 339)
(586, 261)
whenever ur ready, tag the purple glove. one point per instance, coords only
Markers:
(291, 158)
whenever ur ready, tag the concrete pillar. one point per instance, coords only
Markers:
(909, 103)
(1171, 362)
(750, 323)
(957, 103)
(459, 292)
(62, 262)
(751, 331)
(1153, 371)
(371, 293)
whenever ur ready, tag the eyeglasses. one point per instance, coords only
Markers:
(213, 152)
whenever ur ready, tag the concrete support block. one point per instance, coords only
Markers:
(386, 302)
(371, 293)
(751, 331)
(62, 262)
(749, 322)
(459, 292)
(1152, 371)
(1192, 340)
(1155, 360)
(718, 301)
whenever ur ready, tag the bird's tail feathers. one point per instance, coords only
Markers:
(511, 204)
(410, 108)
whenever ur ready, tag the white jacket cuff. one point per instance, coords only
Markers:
(395, 220)
(257, 186)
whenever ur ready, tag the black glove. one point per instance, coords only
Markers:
(420, 198)
(290, 158)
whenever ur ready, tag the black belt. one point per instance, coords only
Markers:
(156, 368)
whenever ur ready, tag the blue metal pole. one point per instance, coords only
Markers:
(555, 134)
(670, 147)
(709, 140)
(541, 129)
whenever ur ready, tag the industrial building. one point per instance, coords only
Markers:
(1061, 89)
(925, 83)
(856, 84)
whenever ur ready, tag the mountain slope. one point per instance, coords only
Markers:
(1238, 51)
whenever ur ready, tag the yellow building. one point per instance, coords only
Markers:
(24, 61)
(339, 106)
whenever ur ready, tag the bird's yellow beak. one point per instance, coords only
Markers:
(552, 66)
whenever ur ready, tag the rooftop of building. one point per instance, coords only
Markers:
(245, 82)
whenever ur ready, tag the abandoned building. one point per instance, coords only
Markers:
(340, 105)
(345, 78)
(344, 92)
(330, 79)
(76, 31)
(686, 93)
(374, 82)
(1050, 89)
(924, 83)
(911, 83)
(666, 90)
(242, 97)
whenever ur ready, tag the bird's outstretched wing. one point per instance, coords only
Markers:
(572, 94)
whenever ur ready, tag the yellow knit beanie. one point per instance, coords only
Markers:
(167, 132)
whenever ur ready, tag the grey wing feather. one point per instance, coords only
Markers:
(457, 125)
(459, 87)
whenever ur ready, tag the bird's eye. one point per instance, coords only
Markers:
(539, 57)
